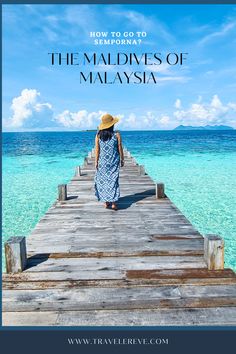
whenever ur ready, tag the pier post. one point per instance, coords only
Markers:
(142, 170)
(160, 190)
(15, 254)
(93, 153)
(85, 161)
(214, 252)
(78, 171)
(62, 192)
(128, 154)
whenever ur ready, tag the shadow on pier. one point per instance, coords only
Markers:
(126, 201)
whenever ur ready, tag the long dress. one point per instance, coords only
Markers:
(107, 175)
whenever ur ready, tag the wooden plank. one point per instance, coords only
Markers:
(161, 230)
(19, 284)
(98, 223)
(90, 298)
(70, 275)
(99, 252)
(162, 223)
(140, 243)
(179, 273)
(48, 318)
(80, 211)
(118, 278)
(208, 291)
(79, 247)
(113, 263)
(214, 316)
(84, 298)
(177, 237)
(161, 317)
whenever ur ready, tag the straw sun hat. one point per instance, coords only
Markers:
(107, 121)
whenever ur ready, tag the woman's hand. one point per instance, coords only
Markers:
(96, 165)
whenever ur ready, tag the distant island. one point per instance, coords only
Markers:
(206, 127)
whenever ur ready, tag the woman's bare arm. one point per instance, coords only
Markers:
(120, 148)
(97, 151)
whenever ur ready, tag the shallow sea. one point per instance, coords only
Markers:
(197, 167)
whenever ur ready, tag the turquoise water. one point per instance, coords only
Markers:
(198, 168)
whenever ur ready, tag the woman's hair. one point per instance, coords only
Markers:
(106, 134)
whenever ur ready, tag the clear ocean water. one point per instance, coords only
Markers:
(198, 168)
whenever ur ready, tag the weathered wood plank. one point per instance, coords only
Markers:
(98, 246)
(99, 252)
(179, 273)
(161, 317)
(71, 275)
(84, 265)
(19, 284)
(48, 318)
(89, 298)
(175, 276)
(139, 243)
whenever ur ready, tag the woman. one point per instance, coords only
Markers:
(108, 158)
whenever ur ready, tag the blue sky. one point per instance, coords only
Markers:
(37, 96)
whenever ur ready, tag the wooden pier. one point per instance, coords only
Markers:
(143, 265)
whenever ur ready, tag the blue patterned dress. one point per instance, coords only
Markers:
(107, 175)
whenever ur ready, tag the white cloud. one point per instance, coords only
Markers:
(76, 20)
(225, 29)
(155, 121)
(51, 34)
(178, 103)
(81, 119)
(40, 106)
(148, 121)
(28, 111)
(213, 113)
(84, 120)
(199, 99)
(166, 73)
(22, 106)
(52, 20)
(131, 121)
(163, 68)
(143, 23)
(165, 120)
(66, 26)
(232, 105)
(216, 103)
(135, 18)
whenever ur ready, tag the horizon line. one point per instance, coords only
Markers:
(122, 130)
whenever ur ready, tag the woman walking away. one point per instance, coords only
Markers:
(108, 158)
